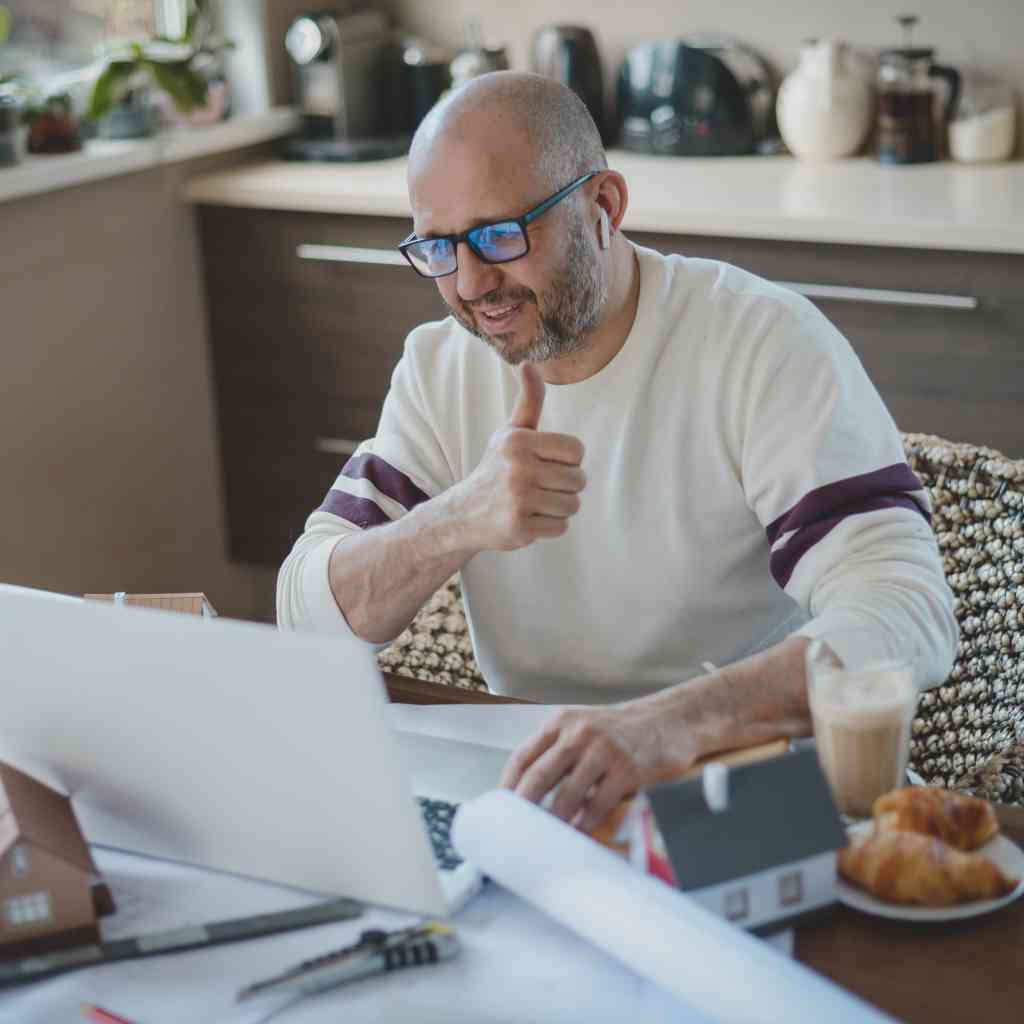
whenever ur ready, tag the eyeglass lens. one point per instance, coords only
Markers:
(493, 243)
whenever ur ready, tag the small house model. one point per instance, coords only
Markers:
(757, 843)
(50, 890)
(192, 604)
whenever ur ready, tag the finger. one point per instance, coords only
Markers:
(547, 526)
(526, 414)
(524, 755)
(547, 772)
(554, 477)
(553, 503)
(562, 448)
(588, 770)
(602, 800)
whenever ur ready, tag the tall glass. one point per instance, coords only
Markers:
(862, 696)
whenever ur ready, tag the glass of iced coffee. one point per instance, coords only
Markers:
(862, 695)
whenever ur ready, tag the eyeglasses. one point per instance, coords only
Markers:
(500, 242)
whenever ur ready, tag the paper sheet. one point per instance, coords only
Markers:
(516, 966)
(504, 726)
(648, 925)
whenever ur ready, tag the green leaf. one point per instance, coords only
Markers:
(103, 92)
(180, 82)
(5, 23)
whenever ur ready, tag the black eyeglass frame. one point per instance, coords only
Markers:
(467, 236)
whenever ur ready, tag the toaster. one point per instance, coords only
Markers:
(697, 96)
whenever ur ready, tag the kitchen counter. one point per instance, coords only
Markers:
(977, 208)
(102, 158)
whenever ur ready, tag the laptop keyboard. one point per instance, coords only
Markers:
(438, 816)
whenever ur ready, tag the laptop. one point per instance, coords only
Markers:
(232, 746)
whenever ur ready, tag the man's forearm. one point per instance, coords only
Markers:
(381, 577)
(752, 701)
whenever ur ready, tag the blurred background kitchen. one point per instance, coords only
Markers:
(200, 303)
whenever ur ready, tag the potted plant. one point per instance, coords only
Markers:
(52, 126)
(124, 101)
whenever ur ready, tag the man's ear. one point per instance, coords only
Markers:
(612, 198)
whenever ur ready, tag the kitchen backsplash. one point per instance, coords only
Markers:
(982, 36)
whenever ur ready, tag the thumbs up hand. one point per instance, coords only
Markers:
(528, 483)
(526, 414)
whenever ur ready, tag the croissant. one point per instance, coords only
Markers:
(906, 867)
(962, 821)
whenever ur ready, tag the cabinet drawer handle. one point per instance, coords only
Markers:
(350, 254)
(335, 445)
(927, 300)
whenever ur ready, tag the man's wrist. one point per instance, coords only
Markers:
(706, 709)
(450, 530)
(752, 701)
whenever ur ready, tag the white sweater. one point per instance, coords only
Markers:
(744, 481)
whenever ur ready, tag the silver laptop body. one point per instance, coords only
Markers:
(223, 744)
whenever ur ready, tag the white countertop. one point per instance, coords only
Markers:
(100, 158)
(937, 206)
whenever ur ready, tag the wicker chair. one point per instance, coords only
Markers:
(969, 732)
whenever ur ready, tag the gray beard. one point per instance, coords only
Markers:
(570, 307)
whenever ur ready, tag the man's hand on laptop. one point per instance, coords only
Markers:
(527, 485)
(590, 758)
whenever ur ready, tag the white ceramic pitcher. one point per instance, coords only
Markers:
(824, 107)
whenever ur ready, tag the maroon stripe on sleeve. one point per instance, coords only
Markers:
(360, 511)
(784, 560)
(829, 500)
(388, 480)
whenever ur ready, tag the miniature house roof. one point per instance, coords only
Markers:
(32, 811)
(196, 603)
(777, 812)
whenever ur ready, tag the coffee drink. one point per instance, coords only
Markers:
(862, 726)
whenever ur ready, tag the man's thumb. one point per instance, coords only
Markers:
(531, 398)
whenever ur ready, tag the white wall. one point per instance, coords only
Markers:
(109, 462)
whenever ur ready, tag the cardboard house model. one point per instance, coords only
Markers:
(191, 604)
(50, 890)
(757, 843)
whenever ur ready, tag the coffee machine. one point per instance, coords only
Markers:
(346, 70)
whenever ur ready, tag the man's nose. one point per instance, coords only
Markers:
(474, 277)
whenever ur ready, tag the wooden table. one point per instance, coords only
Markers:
(969, 970)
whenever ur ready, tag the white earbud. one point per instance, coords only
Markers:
(605, 240)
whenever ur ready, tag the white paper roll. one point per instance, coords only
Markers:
(715, 967)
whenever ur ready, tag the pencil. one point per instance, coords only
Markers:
(100, 1016)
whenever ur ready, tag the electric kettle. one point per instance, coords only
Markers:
(569, 54)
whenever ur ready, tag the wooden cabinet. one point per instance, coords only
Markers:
(306, 330)
(309, 311)
(941, 334)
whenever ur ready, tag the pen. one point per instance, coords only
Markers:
(100, 1016)
(376, 952)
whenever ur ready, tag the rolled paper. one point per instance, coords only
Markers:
(714, 967)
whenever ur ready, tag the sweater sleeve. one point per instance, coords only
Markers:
(848, 522)
(393, 472)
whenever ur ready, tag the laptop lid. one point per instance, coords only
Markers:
(223, 744)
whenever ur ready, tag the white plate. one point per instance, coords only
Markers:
(1001, 851)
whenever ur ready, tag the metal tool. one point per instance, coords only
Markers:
(375, 952)
(176, 940)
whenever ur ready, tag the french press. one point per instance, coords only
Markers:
(908, 132)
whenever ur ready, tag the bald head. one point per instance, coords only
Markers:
(538, 123)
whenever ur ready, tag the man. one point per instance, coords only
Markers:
(649, 467)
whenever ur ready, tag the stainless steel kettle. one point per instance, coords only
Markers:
(569, 54)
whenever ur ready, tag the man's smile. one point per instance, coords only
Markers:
(499, 316)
